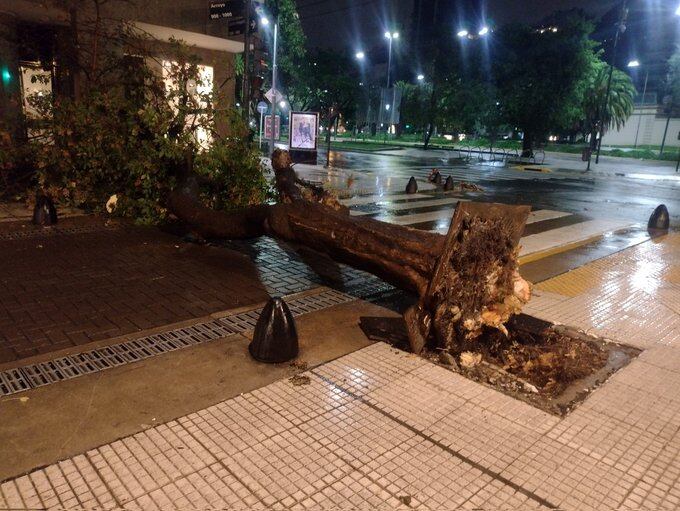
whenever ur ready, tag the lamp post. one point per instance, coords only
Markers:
(390, 36)
(669, 104)
(635, 64)
(361, 57)
(274, 72)
(620, 28)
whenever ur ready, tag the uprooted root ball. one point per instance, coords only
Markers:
(481, 286)
(547, 359)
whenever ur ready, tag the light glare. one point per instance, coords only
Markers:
(463, 33)
(484, 31)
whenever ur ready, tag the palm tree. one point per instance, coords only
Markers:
(619, 103)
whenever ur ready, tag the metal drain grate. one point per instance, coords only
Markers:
(247, 320)
(33, 376)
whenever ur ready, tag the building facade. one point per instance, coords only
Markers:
(40, 38)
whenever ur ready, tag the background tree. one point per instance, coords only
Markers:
(537, 75)
(619, 106)
(414, 103)
(137, 125)
(330, 86)
(292, 53)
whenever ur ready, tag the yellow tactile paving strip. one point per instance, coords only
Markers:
(643, 267)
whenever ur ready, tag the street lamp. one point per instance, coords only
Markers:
(463, 33)
(483, 31)
(620, 28)
(635, 64)
(420, 77)
(390, 36)
(264, 21)
(360, 55)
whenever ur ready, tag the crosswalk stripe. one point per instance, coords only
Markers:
(417, 218)
(402, 206)
(545, 214)
(561, 236)
(549, 232)
(379, 199)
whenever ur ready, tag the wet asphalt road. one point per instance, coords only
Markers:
(606, 197)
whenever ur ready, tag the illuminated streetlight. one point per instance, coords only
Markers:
(390, 36)
(483, 31)
(360, 55)
(421, 78)
(463, 33)
(264, 21)
(635, 63)
(282, 104)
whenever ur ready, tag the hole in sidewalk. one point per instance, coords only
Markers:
(551, 367)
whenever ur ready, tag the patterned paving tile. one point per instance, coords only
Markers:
(370, 368)
(634, 407)
(569, 478)
(628, 448)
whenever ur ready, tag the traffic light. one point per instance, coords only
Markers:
(5, 75)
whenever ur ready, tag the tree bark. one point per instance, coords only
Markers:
(528, 145)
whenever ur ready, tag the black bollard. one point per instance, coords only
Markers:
(412, 186)
(44, 212)
(437, 178)
(449, 185)
(275, 339)
(660, 219)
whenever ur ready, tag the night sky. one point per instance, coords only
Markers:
(652, 32)
(342, 23)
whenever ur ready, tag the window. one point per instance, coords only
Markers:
(200, 92)
(36, 88)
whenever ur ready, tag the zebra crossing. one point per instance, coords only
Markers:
(547, 231)
(382, 179)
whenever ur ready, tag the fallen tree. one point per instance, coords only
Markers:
(466, 281)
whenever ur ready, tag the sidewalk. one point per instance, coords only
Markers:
(84, 280)
(382, 429)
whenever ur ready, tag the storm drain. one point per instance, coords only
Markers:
(71, 366)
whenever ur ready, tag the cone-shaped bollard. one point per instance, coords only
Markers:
(660, 220)
(44, 212)
(275, 339)
(449, 185)
(437, 178)
(412, 186)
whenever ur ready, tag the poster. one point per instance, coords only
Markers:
(304, 129)
(268, 127)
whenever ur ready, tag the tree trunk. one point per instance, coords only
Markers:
(466, 281)
(428, 136)
(528, 145)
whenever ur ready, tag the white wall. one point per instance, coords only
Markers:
(651, 130)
